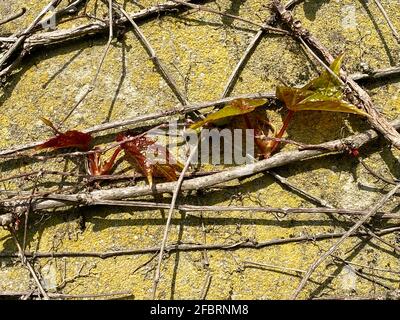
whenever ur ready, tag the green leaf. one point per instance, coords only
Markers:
(235, 108)
(291, 96)
(50, 124)
(321, 94)
(321, 102)
(326, 81)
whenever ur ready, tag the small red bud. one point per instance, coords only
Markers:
(354, 152)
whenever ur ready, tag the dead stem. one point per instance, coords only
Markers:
(16, 15)
(149, 49)
(63, 295)
(389, 22)
(21, 255)
(177, 188)
(353, 229)
(279, 159)
(375, 174)
(329, 206)
(207, 9)
(20, 40)
(198, 247)
(7, 219)
(103, 57)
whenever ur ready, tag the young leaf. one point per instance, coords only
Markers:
(165, 170)
(235, 108)
(144, 152)
(321, 94)
(291, 96)
(326, 80)
(321, 102)
(259, 122)
(96, 167)
(69, 139)
(47, 122)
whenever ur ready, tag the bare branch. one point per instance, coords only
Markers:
(63, 295)
(163, 71)
(24, 261)
(389, 22)
(16, 15)
(103, 57)
(207, 9)
(353, 229)
(280, 159)
(20, 40)
(170, 212)
(199, 247)
(356, 94)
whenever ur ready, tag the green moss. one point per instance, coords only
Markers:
(200, 50)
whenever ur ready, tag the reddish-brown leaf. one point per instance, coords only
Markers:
(148, 157)
(96, 166)
(259, 122)
(69, 139)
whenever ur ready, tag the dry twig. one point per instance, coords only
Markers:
(351, 231)
(103, 57)
(280, 159)
(20, 39)
(389, 22)
(177, 188)
(149, 49)
(13, 17)
(356, 94)
(248, 244)
(24, 261)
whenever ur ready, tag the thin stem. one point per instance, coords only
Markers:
(25, 33)
(279, 159)
(389, 22)
(167, 225)
(28, 265)
(103, 57)
(63, 295)
(13, 17)
(285, 125)
(170, 81)
(353, 229)
(326, 67)
(207, 9)
(199, 247)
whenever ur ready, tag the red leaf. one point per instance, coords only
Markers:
(140, 150)
(259, 122)
(69, 139)
(97, 167)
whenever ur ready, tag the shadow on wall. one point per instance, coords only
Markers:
(311, 7)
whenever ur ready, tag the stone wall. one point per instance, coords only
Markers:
(200, 50)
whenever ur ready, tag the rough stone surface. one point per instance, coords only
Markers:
(200, 50)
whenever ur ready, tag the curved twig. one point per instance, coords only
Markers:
(20, 13)
(280, 159)
(351, 231)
